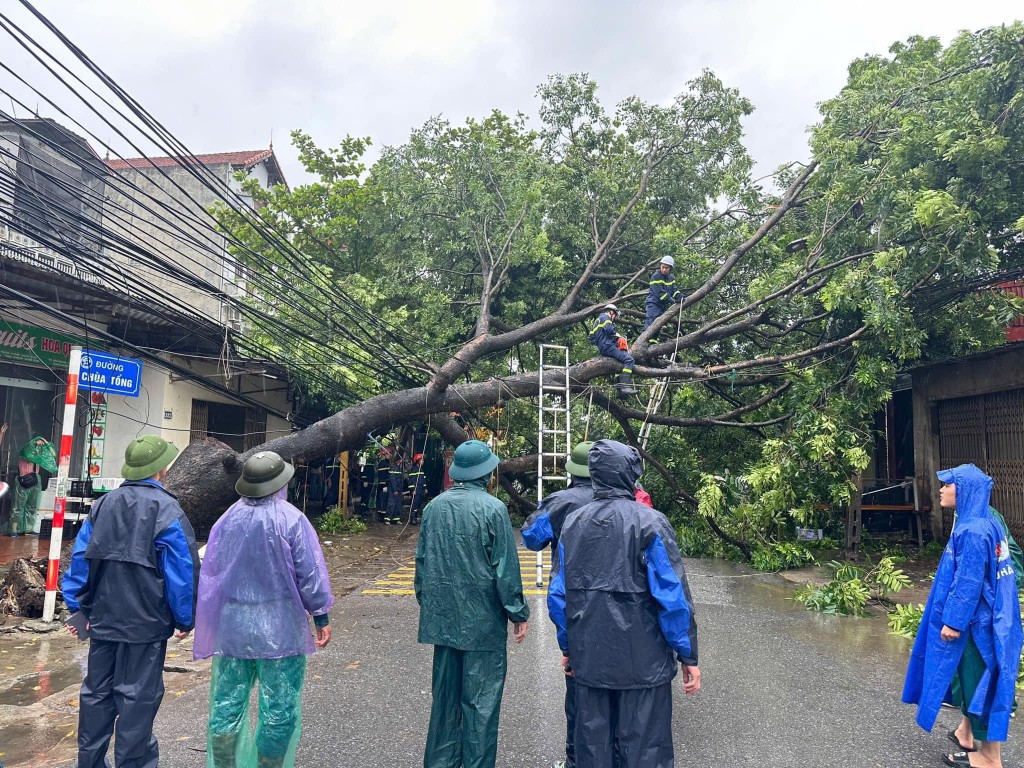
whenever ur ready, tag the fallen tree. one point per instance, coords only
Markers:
(472, 243)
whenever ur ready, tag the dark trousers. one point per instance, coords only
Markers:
(124, 683)
(414, 506)
(612, 351)
(467, 688)
(651, 313)
(624, 728)
(394, 510)
(570, 721)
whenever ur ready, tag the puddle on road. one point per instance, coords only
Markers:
(723, 583)
(37, 686)
(38, 743)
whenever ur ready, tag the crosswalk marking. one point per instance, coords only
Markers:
(400, 580)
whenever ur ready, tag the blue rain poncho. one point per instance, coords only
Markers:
(975, 592)
(263, 576)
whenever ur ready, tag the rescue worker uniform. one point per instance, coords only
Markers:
(133, 573)
(417, 484)
(975, 592)
(468, 587)
(543, 528)
(393, 513)
(264, 575)
(604, 336)
(622, 594)
(661, 294)
(381, 481)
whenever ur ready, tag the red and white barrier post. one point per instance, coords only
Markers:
(63, 470)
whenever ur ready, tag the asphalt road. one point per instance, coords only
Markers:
(782, 687)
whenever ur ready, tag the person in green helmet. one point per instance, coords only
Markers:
(469, 588)
(133, 574)
(38, 453)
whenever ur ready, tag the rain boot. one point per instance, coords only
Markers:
(222, 748)
(624, 385)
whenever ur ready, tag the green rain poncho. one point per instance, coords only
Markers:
(40, 452)
(469, 588)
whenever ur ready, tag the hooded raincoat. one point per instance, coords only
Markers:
(975, 592)
(133, 573)
(263, 576)
(624, 617)
(544, 526)
(469, 587)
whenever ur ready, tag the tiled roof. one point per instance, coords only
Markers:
(246, 159)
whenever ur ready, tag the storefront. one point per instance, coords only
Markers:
(33, 374)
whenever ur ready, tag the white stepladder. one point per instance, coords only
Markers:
(553, 432)
(657, 395)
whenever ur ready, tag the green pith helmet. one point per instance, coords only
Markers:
(40, 451)
(145, 456)
(263, 474)
(472, 459)
(576, 464)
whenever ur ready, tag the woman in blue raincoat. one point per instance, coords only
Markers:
(264, 575)
(972, 611)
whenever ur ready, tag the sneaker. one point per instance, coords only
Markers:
(387, 521)
(558, 764)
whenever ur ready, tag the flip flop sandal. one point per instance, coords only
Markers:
(957, 760)
(956, 740)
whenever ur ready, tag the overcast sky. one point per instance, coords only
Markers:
(225, 75)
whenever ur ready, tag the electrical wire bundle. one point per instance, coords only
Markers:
(149, 240)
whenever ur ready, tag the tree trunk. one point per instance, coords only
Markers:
(203, 478)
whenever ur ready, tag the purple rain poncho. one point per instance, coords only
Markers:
(263, 574)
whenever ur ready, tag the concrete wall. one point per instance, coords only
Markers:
(164, 407)
(996, 371)
(185, 239)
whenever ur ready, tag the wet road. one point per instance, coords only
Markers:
(782, 687)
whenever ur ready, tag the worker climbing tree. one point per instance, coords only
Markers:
(611, 343)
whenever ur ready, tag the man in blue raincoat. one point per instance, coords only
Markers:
(621, 594)
(468, 586)
(544, 527)
(611, 344)
(134, 571)
(972, 611)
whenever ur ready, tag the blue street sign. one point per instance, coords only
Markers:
(117, 375)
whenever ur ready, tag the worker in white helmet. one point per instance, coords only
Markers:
(612, 344)
(661, 293)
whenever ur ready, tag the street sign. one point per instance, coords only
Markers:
(102, 372)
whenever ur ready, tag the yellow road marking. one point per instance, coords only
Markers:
(400, 580)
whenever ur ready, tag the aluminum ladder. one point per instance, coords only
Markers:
(553, 431)
(657, 395)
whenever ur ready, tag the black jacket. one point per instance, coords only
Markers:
(621, 602)
(135, 569)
